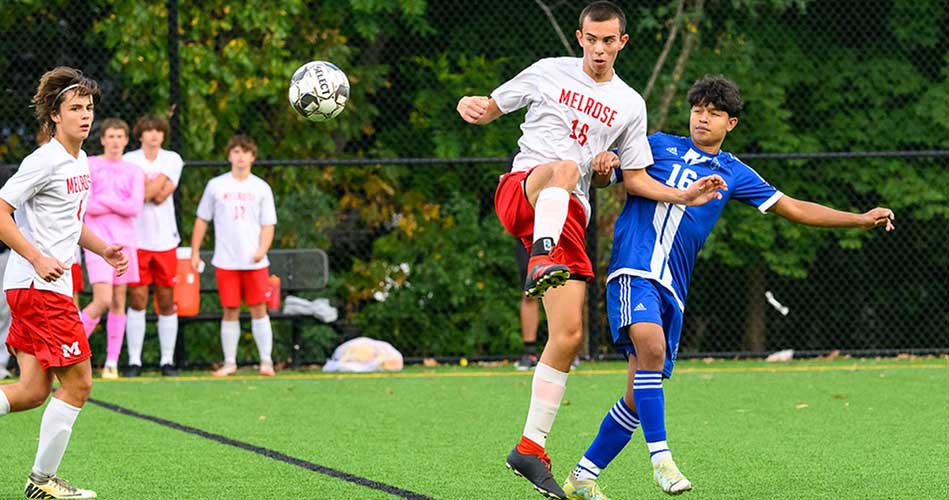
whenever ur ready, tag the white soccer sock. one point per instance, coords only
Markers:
(547, 391)
(658, 451)
(4, 403)
(135, 335)
(586, 470)
(4, 354)
(263, 336)
(167, 336)
(230, 334)
(550, 213)
(55, 429)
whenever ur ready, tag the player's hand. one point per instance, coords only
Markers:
(605, 162)
(878, 217)
(116, 258)
(48, 268)
(472, 108)
(704, 190)
(259, 256)
(196, 263)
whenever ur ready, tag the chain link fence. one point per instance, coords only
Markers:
(416, 254)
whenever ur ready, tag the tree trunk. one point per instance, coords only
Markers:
(756, 282)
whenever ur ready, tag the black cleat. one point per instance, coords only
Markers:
(535, 469)
(168, 371)
(544, 274)
(133, 371)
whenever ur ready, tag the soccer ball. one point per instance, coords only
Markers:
(319, 90)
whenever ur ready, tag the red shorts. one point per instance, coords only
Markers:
(77, 285)
(251, 285)
(517, 217)
(46, 324)
(160, 268)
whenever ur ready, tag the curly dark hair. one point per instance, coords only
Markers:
(717, 91)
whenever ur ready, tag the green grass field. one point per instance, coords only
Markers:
(861, 429)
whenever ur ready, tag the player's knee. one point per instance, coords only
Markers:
(650, 353)
(80, 390)
(566, 174)
(34, 398)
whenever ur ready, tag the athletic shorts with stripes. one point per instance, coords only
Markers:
(633, 299)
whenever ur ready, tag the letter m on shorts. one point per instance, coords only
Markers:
(71, 350)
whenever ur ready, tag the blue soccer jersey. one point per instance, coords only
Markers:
(660, 241)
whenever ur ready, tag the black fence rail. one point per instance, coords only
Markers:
(845, 105)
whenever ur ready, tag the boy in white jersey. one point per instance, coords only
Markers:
(157, 235)
(47, 197)
(241, 205)
(650, 269)
(577, 109)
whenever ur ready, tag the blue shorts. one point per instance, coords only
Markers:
(632, 299)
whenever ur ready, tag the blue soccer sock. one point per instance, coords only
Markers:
(615, 431)
(647, 394)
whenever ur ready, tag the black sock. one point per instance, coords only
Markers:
(542, 246)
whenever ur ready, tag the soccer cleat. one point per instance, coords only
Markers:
(4, 373)
(55, 487)
(527, 362)
(576, 489)
(133, 371)
(169, 371)
(544, 274)
(110, 372)
(266, 369)
(535, 469)
(227, 369)
(669, 478)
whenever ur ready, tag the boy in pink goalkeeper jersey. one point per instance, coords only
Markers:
(241, 205)
(118, 190)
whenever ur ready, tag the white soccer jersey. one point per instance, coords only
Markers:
(49, 193)
(155, 225)
(572, 117)
(238, 210)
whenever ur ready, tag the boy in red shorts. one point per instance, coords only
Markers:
(47, 196)
(241, 205)
(157, 236)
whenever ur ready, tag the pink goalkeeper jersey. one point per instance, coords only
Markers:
(572, 117)
(118, 191)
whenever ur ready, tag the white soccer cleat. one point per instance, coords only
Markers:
(55, 487)
(4, 373)
(110, 372)
(669, 478)
(266, 369)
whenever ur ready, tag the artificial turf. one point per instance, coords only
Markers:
(862, 429)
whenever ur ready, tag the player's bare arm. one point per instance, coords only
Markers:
(48, 268)
(112, 254)
(197, 237)
(479, 110)
(266, 239)
(815, 214)
(702, 191)
(165, 189)
(603, 164)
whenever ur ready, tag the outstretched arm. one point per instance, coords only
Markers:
(479, 110)
(702, 191)
(815, 214)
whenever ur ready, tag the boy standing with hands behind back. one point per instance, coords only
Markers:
(241, 205)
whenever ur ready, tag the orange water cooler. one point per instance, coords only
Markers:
(187, 285)
(274, 282)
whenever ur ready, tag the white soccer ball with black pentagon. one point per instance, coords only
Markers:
(319, 90)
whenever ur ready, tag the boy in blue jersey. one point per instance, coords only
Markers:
(654, 249)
